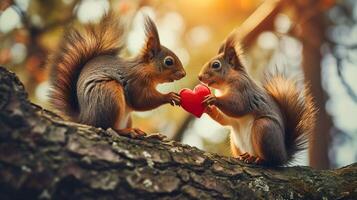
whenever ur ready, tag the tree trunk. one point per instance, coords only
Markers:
(313, 37)
(44, 157)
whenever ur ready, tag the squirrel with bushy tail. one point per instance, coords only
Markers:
(93, 85)
(269, 123)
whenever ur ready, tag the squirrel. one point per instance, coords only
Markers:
(269, 122)
(91, 84)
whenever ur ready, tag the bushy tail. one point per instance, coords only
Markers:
(76, 49)
(297, 108)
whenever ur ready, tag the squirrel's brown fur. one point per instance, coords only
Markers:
(270, 123)
(92, 84)
(76, 49)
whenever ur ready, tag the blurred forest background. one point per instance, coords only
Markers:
(314, 38)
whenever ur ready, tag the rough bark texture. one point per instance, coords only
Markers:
(44, 157)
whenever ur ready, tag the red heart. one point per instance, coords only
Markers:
(191, 101)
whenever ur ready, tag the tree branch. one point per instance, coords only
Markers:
(44, 157)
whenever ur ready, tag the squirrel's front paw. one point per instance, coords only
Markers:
(211, 109)
(173, 98)
(209, 100)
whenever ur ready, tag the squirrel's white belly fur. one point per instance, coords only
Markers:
(124, 122)
(241, 133)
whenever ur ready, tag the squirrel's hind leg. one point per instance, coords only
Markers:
(268, 142)
(129, 131)
(234, 149)
(123, 122)
(247, 158)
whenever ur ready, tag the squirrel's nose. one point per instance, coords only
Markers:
(180, 74)
(200, 77)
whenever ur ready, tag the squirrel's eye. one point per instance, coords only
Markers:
(169, 61)
(216, 64)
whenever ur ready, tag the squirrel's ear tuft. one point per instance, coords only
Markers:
(221, 48)
(229, 52)
(153, 45)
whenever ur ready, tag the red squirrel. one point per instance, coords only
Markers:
(269, 123)
(93, 85)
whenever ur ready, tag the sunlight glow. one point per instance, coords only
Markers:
(23, 4)
(9, 20)
(268, 40)
(213, 131)
(193, 140)
(18, 52)
(199, 35)
(340, 106)
(282, 23)
(92, 10)
(136, 36)
(42, 90)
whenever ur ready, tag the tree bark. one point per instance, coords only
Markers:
(44, 157)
